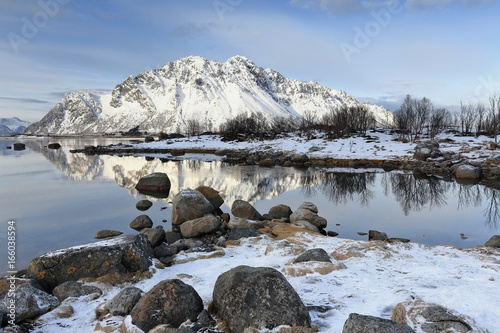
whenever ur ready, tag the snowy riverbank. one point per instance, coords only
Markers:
(369, 278)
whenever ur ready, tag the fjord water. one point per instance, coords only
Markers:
(59, 199)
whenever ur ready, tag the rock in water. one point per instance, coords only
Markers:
(116, 256)
(357, 323)
(169, 302)
(259, 297)
(107, 234)
(141, 222)
(143, 205)
(156, 184)
(494, 241)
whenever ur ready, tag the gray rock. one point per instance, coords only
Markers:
(104, 233)
(54, 145)
(280, 212)
(259, 297)
(157, 184)
(164, 250)
(300, 158)
(494, 241)
(357, 323)
(74, 289)
(241, 208)
(169, 302)
(305, 214)
(212, 195)
(243, 232)
(143, 205)
(117, 256)
(172, 237)
(439, 319)
(313, 255)
(189, 205)
(307, 225)
(124, 301)
(374, 235)
(309, 206)
(465, 171)
(155, 236)
(204, 225)
(30, 303)
(141, 222)
(427, 149)
(240, 222)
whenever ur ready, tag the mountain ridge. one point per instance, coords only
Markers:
(166, 99)
(12, 126)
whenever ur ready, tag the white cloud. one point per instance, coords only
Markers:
(340, 7)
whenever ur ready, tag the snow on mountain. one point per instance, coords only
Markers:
(12, 126)
(192, 88)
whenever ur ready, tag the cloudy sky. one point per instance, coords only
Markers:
(376, 50)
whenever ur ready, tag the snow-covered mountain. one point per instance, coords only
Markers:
(12, 126)
(168, 98)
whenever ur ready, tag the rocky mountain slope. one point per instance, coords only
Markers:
(190, 89)
(12, 126)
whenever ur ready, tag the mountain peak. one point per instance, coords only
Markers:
(191, 89)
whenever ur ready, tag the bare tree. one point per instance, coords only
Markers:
(494, 116)
(423, 109)
(468, 118)
(439, 120)
(481, 113)
(193, 127)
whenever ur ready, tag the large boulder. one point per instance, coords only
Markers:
(357, 323)
(156, 184)
(427, 149)
(169, 302)
(259, 297)
(212, 195)
(189, 205)
(202, 226)
(116, 256)
(494, 241)
(308, 212)
(244, 209)
(466, 171)
(280, 212)
(30, 302)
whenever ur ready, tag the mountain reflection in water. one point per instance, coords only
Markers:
(413, 192)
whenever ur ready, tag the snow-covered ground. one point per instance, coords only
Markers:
(376, 146)
(366, 277)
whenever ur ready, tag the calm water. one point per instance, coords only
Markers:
(59, 199)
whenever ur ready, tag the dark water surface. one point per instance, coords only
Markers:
(59, 199)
